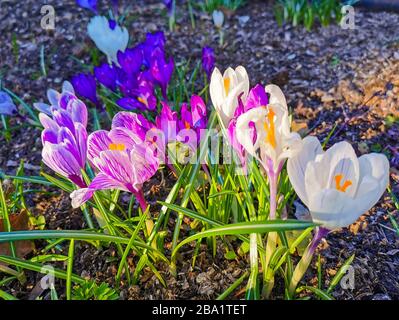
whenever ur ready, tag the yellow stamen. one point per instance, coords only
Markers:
(270, 129)
(226, 84)
(142, 100)
(117, 146)
(341, 187)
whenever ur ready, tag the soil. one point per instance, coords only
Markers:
(330, 76)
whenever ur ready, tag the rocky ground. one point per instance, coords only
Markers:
(330, 76)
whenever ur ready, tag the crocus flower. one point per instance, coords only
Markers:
(143, 98)
(65, 143)
(336, 186)
(88, 4)
(108, 37)
(218, 18)
(153, 41)
(166, 121)
(58, 100)
(7, 106)
(274, 140)
(134, 122)
(225, 90)
(122, 164)
(85, 86)
(169, 5)
(208, 60)
(107, 75)
(130, 60)
(257, 97)
(161, 70)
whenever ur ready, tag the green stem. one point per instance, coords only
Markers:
(252, 286)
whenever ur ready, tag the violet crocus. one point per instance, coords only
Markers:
(122, 164)
(85, 86)
(134, 122)
(131, 60)
(64, 141)
(161, 70)
(141, 98)
(7, 106)
(208, 60)
(58, 100)
(107, 75)
(153, 41)
(88, 4)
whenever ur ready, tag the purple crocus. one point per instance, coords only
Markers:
(64, 140)
(142, 98)
(153, 41)
(166, 121)
(161, 70)
(208, 60)
(122, 164)
(7, 106)
(58, 100)
(131, 60)
(134, 122)
(169, 5)
(88, 4)
(107, 75)
(85, 86)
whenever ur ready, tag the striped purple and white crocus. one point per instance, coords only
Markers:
(64, 140)
(123, 159)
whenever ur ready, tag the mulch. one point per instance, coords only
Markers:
(330, 76)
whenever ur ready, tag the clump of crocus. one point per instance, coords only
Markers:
(187, 128)
(208, 60)
(336, 186)
(137, 73)
(123, 160)
(108, 36)
(7, 106)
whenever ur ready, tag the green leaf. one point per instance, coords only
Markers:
(39, 268)
(247, 228)
(230, 255)
(341, 272)
(320, 293)
(67, 234)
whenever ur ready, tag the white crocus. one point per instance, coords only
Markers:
(335, 185)
(274, 140)
(225, 90)
(218, 18)
(108, 40)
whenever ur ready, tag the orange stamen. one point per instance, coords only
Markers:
(142, 100)
(117, 146)
(270, 129)
(341, 187)
(226, 84)
(186, 125)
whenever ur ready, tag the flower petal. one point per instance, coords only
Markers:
(297, 165)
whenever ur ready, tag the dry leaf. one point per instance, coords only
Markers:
(18, 222)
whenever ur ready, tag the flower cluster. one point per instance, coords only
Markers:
(133, 73)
